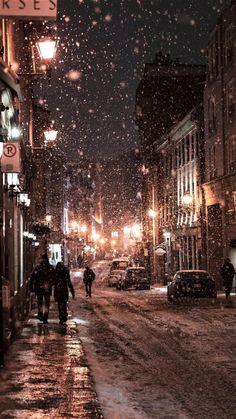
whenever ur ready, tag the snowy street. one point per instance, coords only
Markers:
(153, 359)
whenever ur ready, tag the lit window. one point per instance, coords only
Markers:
(114, 234)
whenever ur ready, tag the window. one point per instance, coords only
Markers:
(183, 152)
(213, 59)
(192, 153)
(212, 114)
(6, 50)
(114, 234)
(231, 207)
(230, 101)
(187, 149)
(229, 45)
(232, 154)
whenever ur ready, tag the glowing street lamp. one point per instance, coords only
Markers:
(15, 132)
(95, 236)
(152, 213)
(48, 218)
(136, 231)
(187, 199)
(127, 230)
(74, 225)
(83, 228)
(50, 135)
(47, 48)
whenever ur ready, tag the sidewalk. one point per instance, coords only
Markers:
(47, 374)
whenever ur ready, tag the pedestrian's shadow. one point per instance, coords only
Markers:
(43, 329)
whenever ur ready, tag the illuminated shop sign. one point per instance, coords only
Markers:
(28, 8)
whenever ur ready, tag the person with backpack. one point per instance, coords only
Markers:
(89, 277)
(41, 281)
(61, 291)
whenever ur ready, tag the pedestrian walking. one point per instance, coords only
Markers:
(41, 281)
(227, 273)
(89, 277)
(61, 290)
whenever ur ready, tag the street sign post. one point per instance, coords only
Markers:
(10, 162)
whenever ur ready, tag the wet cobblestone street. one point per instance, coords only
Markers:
(47, 375)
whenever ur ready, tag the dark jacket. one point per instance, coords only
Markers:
(89, 275)
(42, 279)
(63, 284)
(227, 272)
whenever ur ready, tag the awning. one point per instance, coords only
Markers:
(10, 81)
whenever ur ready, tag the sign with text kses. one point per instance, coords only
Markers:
(28, 9)
(10, 161)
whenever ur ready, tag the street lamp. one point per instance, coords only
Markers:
(24, 200)
(50, 135)
(83, 228)
(47, 48)
(152, 213)
(187, 199)
(15, 132)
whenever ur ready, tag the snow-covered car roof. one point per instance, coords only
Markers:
(120, 260)
(136, 268)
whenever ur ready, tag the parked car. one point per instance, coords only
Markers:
(135, 278)
(114, 277)
(117, 266)
(191, 283)
(119, 263)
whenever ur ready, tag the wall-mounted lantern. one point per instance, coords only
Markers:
(23, 200)
(50, 135)
(47, 48)
(12, 184)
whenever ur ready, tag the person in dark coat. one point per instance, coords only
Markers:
(61, 290)
(88, 279)
(41, 281)
(227, 273)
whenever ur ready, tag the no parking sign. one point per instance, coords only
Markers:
(10, 162)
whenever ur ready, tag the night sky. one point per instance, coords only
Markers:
(103, 48)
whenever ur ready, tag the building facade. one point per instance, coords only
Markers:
(21, 130)
(220, 137)
(165, 95)
(180, 206)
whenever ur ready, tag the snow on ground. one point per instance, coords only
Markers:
(153, 359)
